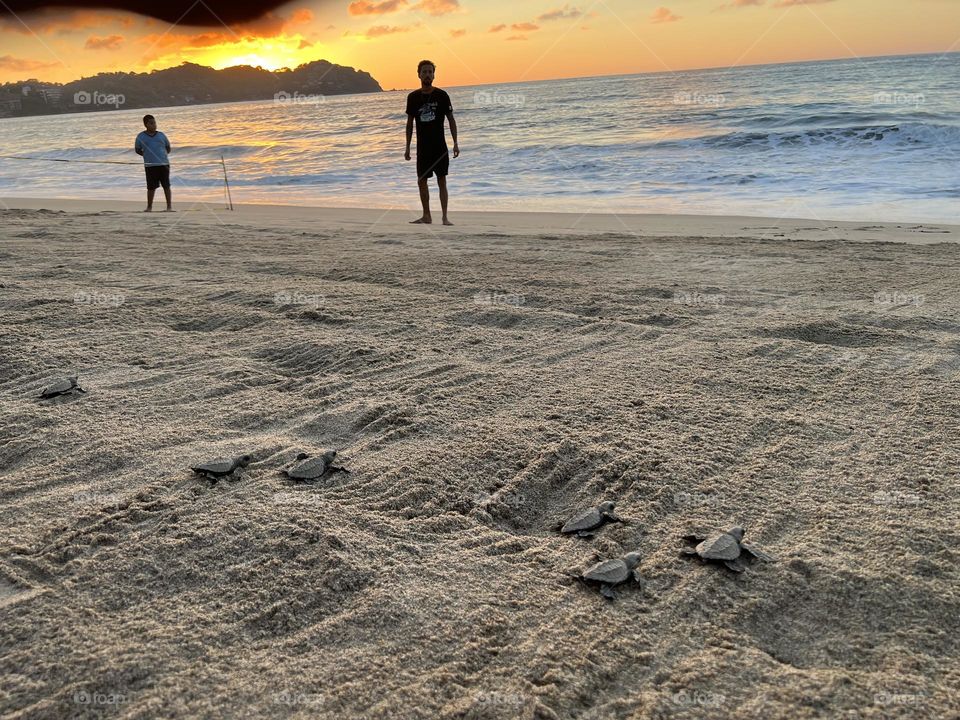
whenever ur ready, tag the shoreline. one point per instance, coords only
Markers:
(516, 223)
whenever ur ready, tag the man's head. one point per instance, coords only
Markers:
(426, 70)
(150, 123)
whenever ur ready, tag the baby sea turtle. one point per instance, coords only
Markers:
(221, 467)
(313, 468)
(726, 548)
(610, 573)
(65, 386)
(585, 523)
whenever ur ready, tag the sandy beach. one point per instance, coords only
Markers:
(482, 383)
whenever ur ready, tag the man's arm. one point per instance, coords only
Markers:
(166, 142)
(406, 155)
(137, 147)
(453, 133)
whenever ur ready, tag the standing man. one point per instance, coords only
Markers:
(429, 106)
(154, 146)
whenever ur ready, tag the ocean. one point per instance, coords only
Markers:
(872, 139)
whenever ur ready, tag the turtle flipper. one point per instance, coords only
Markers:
(335, 469)
(79, 389)
(735, 565)
(607, 591)
(586, 534)
(689, 552)
(756, 552)
(694, 538)
(615, 518)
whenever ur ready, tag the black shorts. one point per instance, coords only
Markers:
(433, 161)
(157, 175)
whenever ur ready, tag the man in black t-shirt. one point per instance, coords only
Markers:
(428, 106)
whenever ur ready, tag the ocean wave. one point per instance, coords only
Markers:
(943, 138)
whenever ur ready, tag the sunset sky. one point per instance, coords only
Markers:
(476, 42)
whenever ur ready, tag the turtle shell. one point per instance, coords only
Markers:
(722, 546)
(60, 387)
(608, 571)
(220, 466)
(313, 468)
(585, 520)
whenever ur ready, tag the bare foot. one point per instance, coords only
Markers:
(149, 210)
(422, 221)
(447, 222)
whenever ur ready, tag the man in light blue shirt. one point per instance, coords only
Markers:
(154, 146)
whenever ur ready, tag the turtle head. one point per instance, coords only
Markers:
(606, 507)
(302, 456)
(244, 460)
(330, 454)
(632, 559)
(737, 532)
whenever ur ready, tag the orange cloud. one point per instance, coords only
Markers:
(62, 22)
(663, 15)
(437, 7)
(564, 13)
(110, 42)
(791, 3)
(497, 28)
(365, 7)
(525, 27)
(381, 30)
(458, 33)
(8, 62)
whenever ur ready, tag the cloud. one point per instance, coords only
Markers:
(525, 26)
(205, 13)
(365, 7)
(62, 22)
(381, 30)
(517, 37)
(663, 15)
(110, 42)
(437, 7)
(304, 44)
(8, 62)
(740, 4)
(497, 28)
(791, 3)
(564, 13)
(460, 32)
